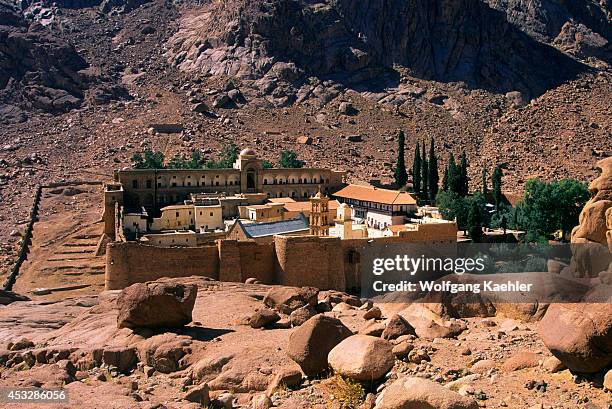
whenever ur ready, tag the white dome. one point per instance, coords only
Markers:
(247, 152)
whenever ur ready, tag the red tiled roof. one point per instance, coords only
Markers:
(376, 195)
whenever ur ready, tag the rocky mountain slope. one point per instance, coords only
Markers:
(354, 42)
(125, 68)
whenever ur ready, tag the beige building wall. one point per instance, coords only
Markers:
(208, 218)
(175, 217)
(135, 222)
(174, 239)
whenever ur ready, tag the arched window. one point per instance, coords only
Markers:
(265, 181)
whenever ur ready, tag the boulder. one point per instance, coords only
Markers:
(263, 317)
(580, 335)
(123, 358)
(310, 343)
(301, 315)
(288, 299)
(553, 364)
(156, 305)
(419, 393)
(521, 360)
(372, 313)
(164, 352)
(198, 394)
(7, 297)
(396, 327)
(607, 383)
(362, 357)
(373, 328)
(483, 366)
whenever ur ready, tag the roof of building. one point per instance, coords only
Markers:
(281, 200)
(254, 230)
(305, 206)
(177, 207)
(395, 228)
(376, 195)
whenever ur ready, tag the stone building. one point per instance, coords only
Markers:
(265, 232)
(157, 188)
(377, 208)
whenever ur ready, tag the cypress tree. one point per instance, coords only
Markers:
(475, 222)
(416, 170)
(424, 174)
(445, 181)
(433, 176)
(401, 176)
(463, 177)
(453, 175)
(485, 190)
(497, 186)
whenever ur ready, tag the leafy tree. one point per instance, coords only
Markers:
(433, 176)
(401, 177)
(178, 162)
(424, 174)
(289, 159)
(150, 160)
(453, 207)
(228, 157)
(475, 222)
(196, 161)
(551, 206)
(267, 164)
(416, 170)
(497, 186)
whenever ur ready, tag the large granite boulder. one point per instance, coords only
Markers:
(592, 238)
(310, 343)
(288, 299)
(362, 357)
(156, 305)
(580, 335)
(418, 393)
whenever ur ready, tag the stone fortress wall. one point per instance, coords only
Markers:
(322, 262)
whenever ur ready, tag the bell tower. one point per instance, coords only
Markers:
(319, 211)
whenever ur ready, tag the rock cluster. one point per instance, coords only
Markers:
(156, 305)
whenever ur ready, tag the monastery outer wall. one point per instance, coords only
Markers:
(240, 260)
(310, 261)
(128, 263)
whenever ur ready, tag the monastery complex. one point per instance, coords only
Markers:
(249, 222)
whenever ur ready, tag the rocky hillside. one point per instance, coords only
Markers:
(354, 42)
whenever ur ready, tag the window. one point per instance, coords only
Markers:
(135, 184)
(211, 214)
(173, 184)
(265, 181)
(177, 215)
(217, 183)
(149, 184)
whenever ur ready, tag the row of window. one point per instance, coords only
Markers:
(293, 181)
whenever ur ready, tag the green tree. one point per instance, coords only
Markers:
(475, 222)
(178, 162)
(433, 176)
(485, 189)
(196, 161)
(551, 206)
(289, 159)
(229, 155)
(497, 186)
(400, 174)
(416, 170)
(453, 207)
(150, 160)
(424, 174)
(267, 164)
(463, 176)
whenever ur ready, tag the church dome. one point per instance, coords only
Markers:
(247, 152)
